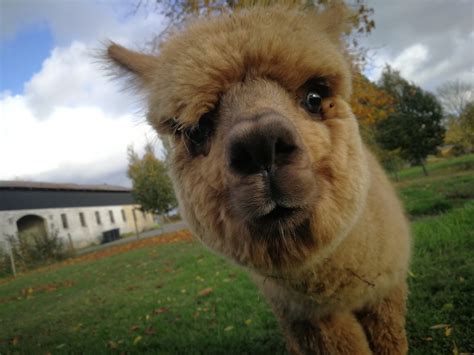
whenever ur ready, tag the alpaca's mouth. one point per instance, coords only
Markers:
(279, 213)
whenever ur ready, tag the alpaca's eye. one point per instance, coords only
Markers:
(313, 102)
(198, 137)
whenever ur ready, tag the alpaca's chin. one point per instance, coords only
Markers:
(279, 221)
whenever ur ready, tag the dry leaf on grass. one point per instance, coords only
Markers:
(160, 310)
(205, 292)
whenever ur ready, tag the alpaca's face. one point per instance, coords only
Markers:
(267, 168)
(267, 160)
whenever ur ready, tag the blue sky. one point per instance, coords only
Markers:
(62, 120)
(22, 56)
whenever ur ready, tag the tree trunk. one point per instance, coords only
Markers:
(424, 169)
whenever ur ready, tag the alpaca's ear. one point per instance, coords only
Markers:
(140, 66)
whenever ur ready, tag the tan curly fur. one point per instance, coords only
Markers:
(335, 271)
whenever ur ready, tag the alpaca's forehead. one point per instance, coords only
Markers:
(199, 65)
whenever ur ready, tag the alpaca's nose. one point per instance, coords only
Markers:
(262, 144)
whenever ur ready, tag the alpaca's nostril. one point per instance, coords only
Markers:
(283, 147)
(241, 160)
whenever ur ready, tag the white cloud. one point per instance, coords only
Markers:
(80, 142)
(430, 42)
(69, 20)
(72, 77)
(410, 60)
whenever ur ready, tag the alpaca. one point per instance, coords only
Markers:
(270, 171)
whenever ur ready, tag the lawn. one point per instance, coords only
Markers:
(170, 295)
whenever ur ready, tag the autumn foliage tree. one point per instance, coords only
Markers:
(460, 130)
(457, 98)
(152, 187)
(177, 11)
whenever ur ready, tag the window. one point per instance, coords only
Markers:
(123, 216)
(82, 218)
(64, 221)
(111, 214)
(97, 217)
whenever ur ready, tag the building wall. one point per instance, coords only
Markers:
(80, 235)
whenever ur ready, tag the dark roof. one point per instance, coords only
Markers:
(33, 185)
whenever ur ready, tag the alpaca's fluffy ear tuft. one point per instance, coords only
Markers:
(337, 20)
(138, 65)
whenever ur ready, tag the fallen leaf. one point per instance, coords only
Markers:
(439, 326)
(137, 339)
(455, 348)
(205, 292)
(134, 327)
(150, 331)
(411, 274)
(160, 310)
(448, 307)
(15, 340)
(248, 321)
(448, 331)
(428, 339)
(229, 328)
(112, 344)
(60, 346)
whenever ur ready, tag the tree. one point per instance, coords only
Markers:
(455, 96)
(369, 103)
(152, 187)
(415, 125)
(461, 129)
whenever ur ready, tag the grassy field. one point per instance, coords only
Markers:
(170, 295)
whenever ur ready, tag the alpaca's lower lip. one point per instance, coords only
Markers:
(279, 213)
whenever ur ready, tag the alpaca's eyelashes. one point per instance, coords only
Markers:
(198, 138)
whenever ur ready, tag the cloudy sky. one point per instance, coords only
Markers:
(62, 120)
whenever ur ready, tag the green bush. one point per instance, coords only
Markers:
(5, 264)
(37, 249)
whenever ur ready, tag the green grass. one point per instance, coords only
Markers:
(440, 167)
(151, 293)
(436, 194)
(442, 283)
(147, 300)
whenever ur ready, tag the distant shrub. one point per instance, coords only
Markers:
(37, 249)
(5, 264)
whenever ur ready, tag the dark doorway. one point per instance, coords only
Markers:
(30, 225)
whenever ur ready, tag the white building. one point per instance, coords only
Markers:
(79, 213)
